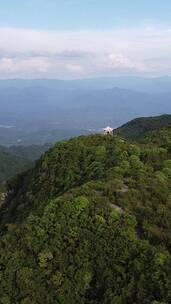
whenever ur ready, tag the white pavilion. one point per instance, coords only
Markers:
(108, 130)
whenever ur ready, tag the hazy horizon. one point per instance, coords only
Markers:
(90, 78)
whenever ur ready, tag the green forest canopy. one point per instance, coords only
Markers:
(90, 223)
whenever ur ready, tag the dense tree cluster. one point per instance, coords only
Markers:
(91, 223)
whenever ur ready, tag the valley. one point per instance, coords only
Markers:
(45, 111)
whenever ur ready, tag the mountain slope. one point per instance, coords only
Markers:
(89, 224)
(138, 128)
(11, 165)
(15, 159)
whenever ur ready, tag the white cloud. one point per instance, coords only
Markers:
(32, 53)
(75, 68)
(13, 67)
(118, 60)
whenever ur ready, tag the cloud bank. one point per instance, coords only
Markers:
(75, 54)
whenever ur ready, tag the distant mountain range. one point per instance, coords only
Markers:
(40, 111)
(148, 85)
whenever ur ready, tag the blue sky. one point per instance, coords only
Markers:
(84, 38)
(81, 14)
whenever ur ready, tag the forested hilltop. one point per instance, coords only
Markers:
(139, 128)
(90, 223)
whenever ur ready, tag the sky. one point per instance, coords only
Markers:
(84, 38)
